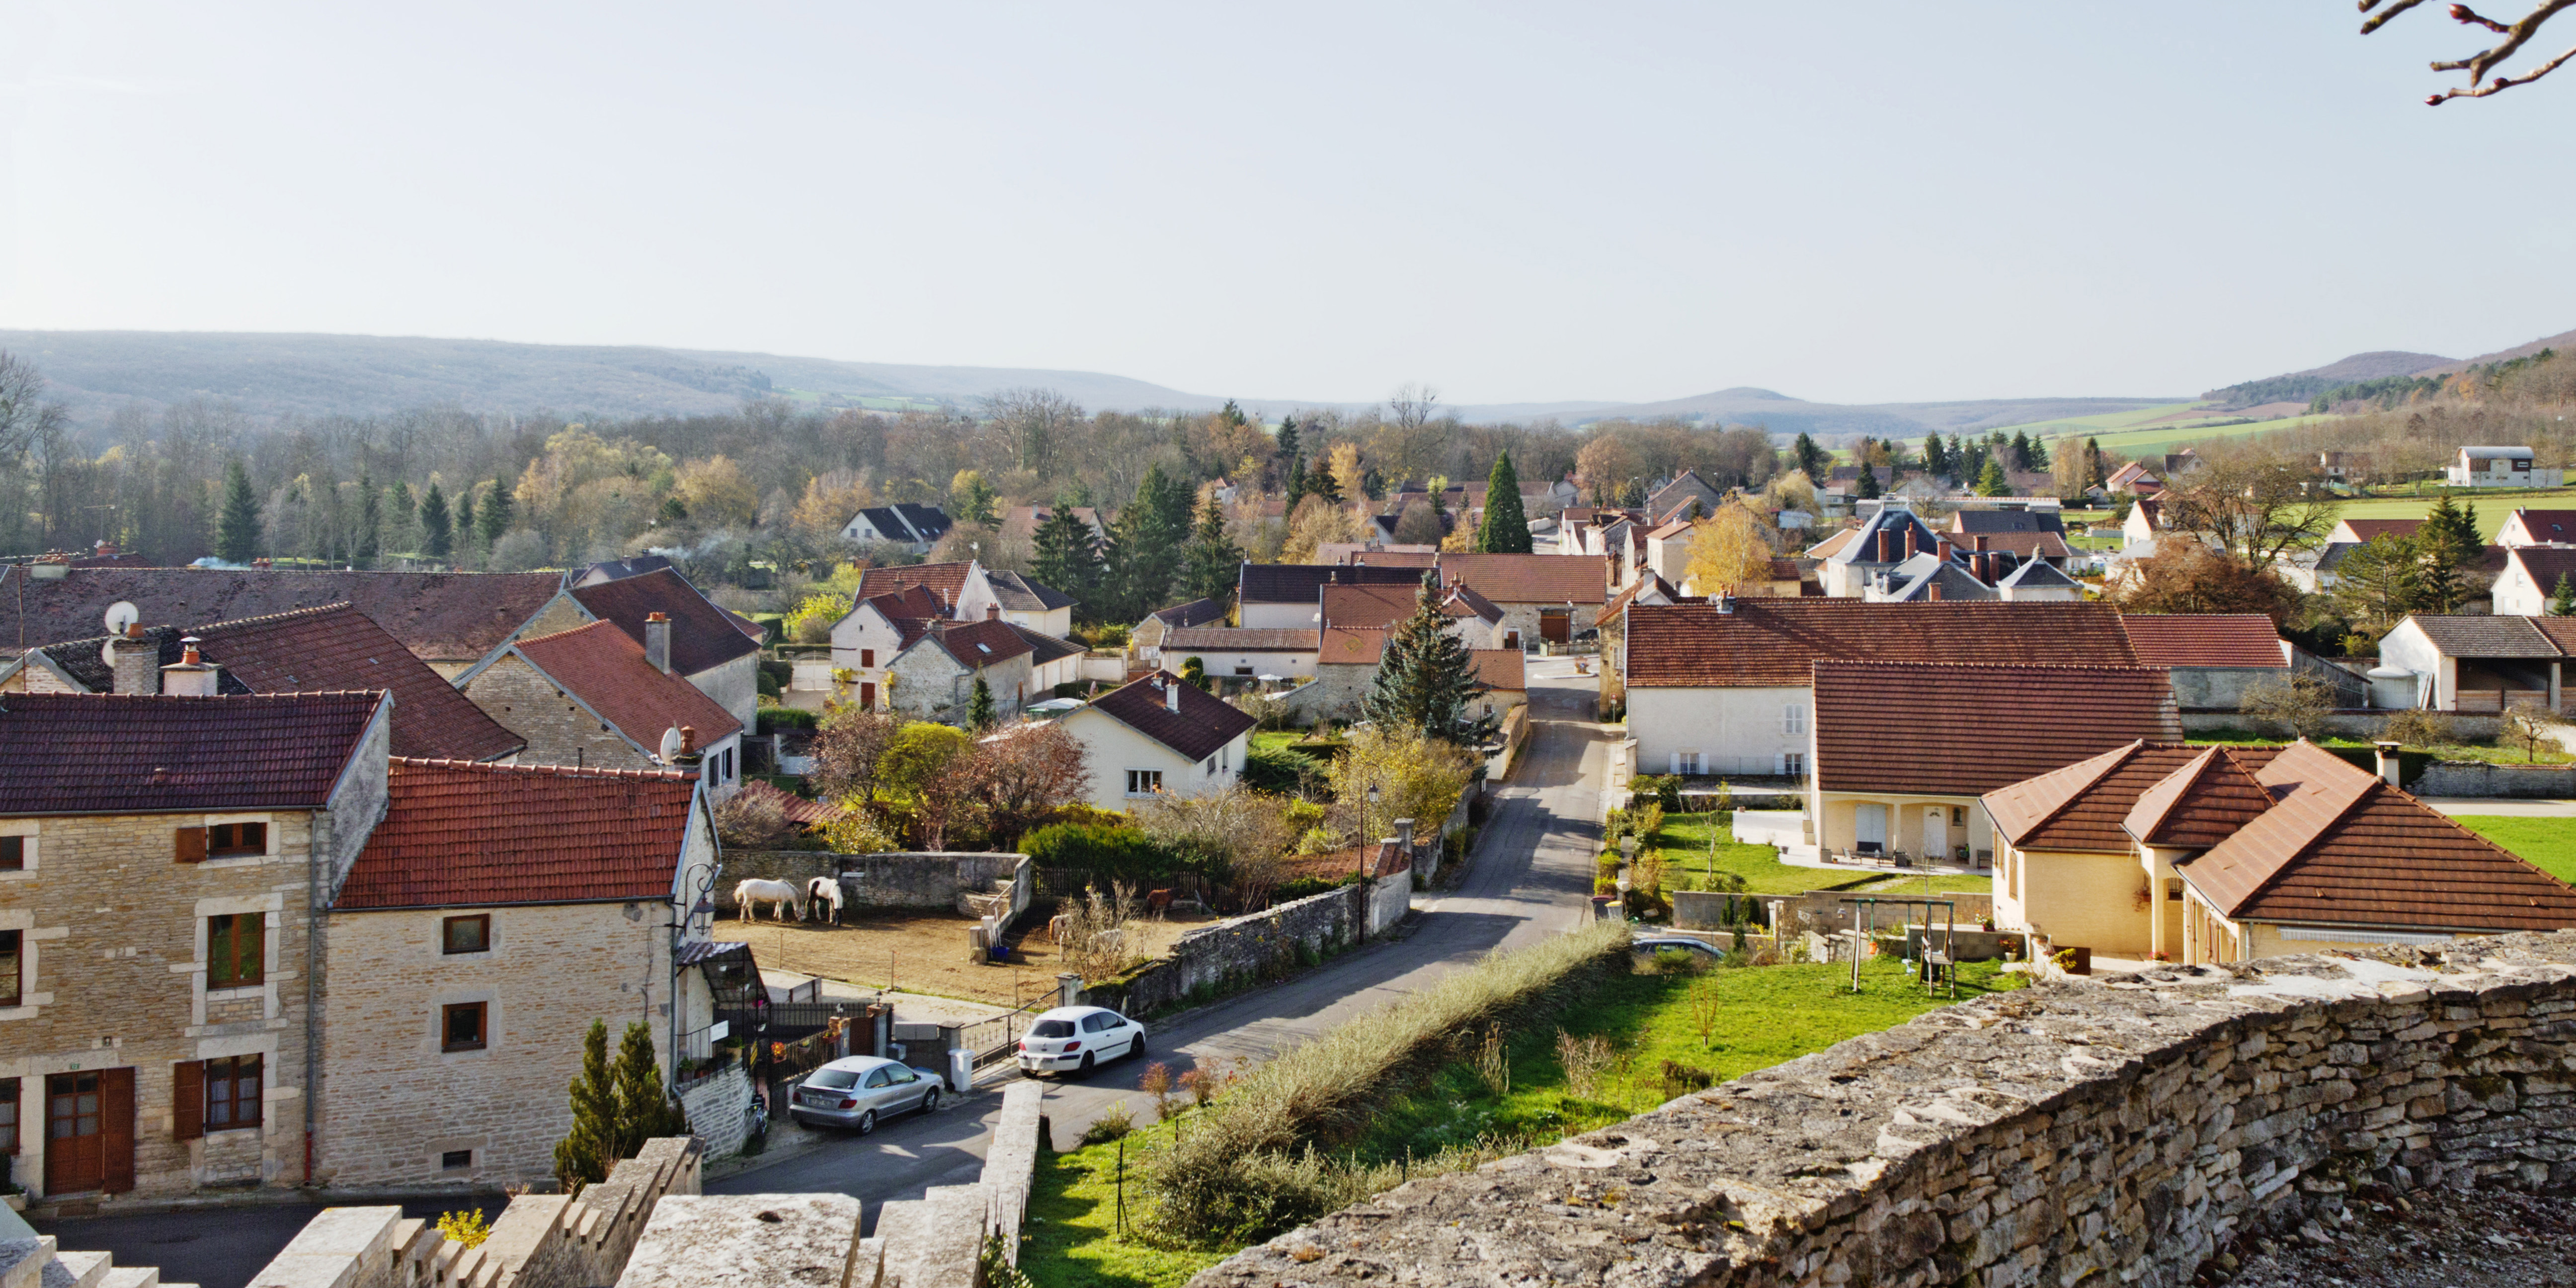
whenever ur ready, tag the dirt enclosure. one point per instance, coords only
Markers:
(926, 952)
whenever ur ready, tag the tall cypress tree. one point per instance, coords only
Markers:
(1287, 447)
(1425, 676)
(371, 519)
(979, 705)
(237, 531)
(437, 528)
(496, 512)
(1505, 530)
(1214, 562)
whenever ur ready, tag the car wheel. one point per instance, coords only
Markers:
(867, 1122)
(930, 1100)
(1137, 1047)
(1086, 1062)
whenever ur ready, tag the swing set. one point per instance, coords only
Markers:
(1937, 967)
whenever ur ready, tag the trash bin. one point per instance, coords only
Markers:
(961, 1071)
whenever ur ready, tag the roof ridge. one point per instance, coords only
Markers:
(2113, 760)
(562, 771)
(592, 624)
(343, 606)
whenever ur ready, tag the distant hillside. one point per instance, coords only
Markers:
(2563, 341)
(2300, 386)
(93, 372)
(1783, 414)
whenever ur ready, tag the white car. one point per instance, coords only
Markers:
(1078, 1037)
(855, 1091)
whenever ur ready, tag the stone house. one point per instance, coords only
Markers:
(1902, 752)
(1850, 561)
(2480, 665)
(1728, 688)
(2227, 854)
(1683, 489)
(492, 915)
(158, 858)
(334, 648)
(2214, 658)
(1240, 652)
(970, 592)
(867, 638)
(1289, 596)
(933, 677)
(707, 646)
(591, 697)
(1158, 735)
(1145, 640)
(1541, 597)
(454, 621)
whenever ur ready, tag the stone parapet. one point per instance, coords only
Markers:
(2102, 1131)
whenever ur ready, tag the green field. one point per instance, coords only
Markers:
(2549, 843)
(2493, 506)
(1684, 839)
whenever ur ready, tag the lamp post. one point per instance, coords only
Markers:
(1368, 817)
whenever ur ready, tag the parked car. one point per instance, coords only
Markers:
(1704, 953)
(1077, 1037)
(855, 1092)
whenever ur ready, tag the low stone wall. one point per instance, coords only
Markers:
(1701, 910)
(1241, 951)
(2086, 1130)
(914, 879)
(2509, 782)
(717, 1107)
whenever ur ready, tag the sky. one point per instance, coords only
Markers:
(1872, 201)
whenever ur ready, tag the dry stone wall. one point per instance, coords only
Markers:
(2075, 1132)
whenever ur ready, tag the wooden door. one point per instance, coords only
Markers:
(867, 695)
(1555, 627)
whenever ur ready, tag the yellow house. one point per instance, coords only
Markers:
(2226, 854)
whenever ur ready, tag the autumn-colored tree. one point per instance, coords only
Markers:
(1607, 464)
(1416, 777)
(1349, 478)
(919, 766)
(1020, 777)
(847, 750)
(1238, 836)
(831, 499)
(1729, 550)
(1316, 522)
(2186, 576)
(718, 494)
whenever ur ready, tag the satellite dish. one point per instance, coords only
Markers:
(107, 653)
(121, 615)
(670, 744)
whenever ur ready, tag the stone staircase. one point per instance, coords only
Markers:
(37, 1263)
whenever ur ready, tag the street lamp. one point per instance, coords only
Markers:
(1368, 817)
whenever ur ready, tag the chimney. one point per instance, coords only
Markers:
(193, 676)
(1911, 549)
(992, 612)
(1980, 539)
(688, 740)
(137, 662)
(2389, 769)
(1726, 601)
(1935, 589)
(1886, 546)
(1172, 695)
(657, 642)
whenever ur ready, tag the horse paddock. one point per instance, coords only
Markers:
(924, 951)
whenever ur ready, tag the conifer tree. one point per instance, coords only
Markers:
(465, 518)
(1867, 484)
(1505, 530)
(1287, 447)
(237, 531)
(615, 1109)
(1321, 482)
(1425, 676)
(1936, 456)
(1068, 559)
(1214, 563)
(2449, 543)
(371, 520)
(979, 705)
(2094, 476)
(1296, 485)
(1143, 561)
(1992, 482)
(437, 527)
(2020, 450)
(1812, 458)
(644, 1110)
(496, 513)
(2562, 601)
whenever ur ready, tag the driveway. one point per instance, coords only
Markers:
(1532, 876)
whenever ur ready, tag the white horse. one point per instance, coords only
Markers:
(784, 894)
(825, 890)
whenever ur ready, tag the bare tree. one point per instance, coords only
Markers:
(2256, 504)
(23, 418)
(1414, 406)
(2515, 36)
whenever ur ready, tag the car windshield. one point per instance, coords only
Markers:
(1052, 1029)
(834, 1079)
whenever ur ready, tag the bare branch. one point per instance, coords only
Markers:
(2478, 65)
(2393, 10)
(2469, 18)
(2503, 82)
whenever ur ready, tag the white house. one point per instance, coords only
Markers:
(867, 638)
(1159, 736)
(914, 527)
(2526, 527)
(2499, 467)
(1242, 652)
(2530, 579)
(2478, 665)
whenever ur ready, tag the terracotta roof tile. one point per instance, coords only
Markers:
(1203, 724)
(1367, 607)
(979, 644)
(811, 813)
(1964, 730)
(1302, 583)
(1772, 642)
(80, 753)
(440, 616)
(2246, 640)
(2085, 805)
(1649, 582)
(1351, 645)
(604, 668)
(2200, 804)
(1242, 639)
(1500, 668)
(1532, 579)
(459, 835)
(946, 580)
(703, 636)
(341, 649)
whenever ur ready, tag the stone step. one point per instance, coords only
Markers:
(132, 1277)
(78, 1269)
(23, 1261)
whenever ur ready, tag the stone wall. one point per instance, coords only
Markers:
(1242, 951)
(716, 1107)
(2085, 1130)
(919, 879)
(1699, 909)
(559, 730)
(2480, 778)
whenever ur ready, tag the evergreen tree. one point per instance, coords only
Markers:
(402, 518)
(1320, 482)
(1287, 447)
(437, 528)
(2094, 475)
(465, 518)
(2038, 452)
(1143, 561)
(1068, 559)
(1296, 485)
(369, 538)
(1194, 673)
(1505, 530)
(1936, 456)
(237, 531)
(2450, 546)
(1812, 458)
(1424, 677)
(1867, 483)
(644, 1110)
(1634, 494)
(1371, 482)
(979, 705)
(496, 513)
(1992, 482)
(1214, 563)
(2020, 450)
(2562, 601)
(585, 1154)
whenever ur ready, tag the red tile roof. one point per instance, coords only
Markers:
(947, 580)
(1532, 579)
(1367, 607)
(2548, 525)
(341, 649)
(2365, 529)
(1772, 642)
(2244, 640)
(1351, 645)
(1645, 582)
(2085, 805)
(979, 644)
(1203, 724)
(459, 835)
(441, 616)
(604, 668)
(1499, 668)
(811, 813)
(703, 636)
(82, 753)
(1955, 730)
(2200, 804)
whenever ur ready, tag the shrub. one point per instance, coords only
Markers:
(1280, 771)
(1109, 851)
(465, 1229)
(1664, 790)
(788, 720)
(1585, 1060)
(1114, 1123)
(2415, 728)
(810, 622)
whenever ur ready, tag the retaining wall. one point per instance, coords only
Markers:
(917, 879)
(716, 1107)
(1700, 909)
(2113, 1132)
(2479, 778)
(1242, 951)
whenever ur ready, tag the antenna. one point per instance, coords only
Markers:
(670, 744)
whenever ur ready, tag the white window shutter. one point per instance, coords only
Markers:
(1780, 763)
(1675, 766)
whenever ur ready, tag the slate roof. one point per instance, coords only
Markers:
(604, 668)
(979, 644)
(2238, 640)
(929, 521)
(458, 835)
(2035, 575)
(2028, 545)
(1018, 594)
(1044, 648)
(2486, 637)
(1863, 548)
(1963, 730)
(1638, 589)
(613, 569)
(1242, 639)
(1993, 522)
(439, 616)
(80, 753)
(2545, 565)
(1303, 583)
(1204, 723)
(1197, 612)
(1773, 642)
(1532, 579)
(946, 580)
(703, 636)
(1929, 578)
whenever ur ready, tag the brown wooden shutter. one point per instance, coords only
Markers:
(188, 1098)
(116, 1127)
(192, 845)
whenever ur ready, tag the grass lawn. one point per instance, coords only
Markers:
(1072, 1239)
(2487, 751)
(2548, 842)
(1684, 839)
(2493, 506)
(1275, 739)
(1762, 1016)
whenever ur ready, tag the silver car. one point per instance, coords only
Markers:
(857, 1091)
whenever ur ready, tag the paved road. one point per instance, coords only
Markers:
(1531, 877)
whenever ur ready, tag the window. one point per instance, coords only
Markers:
(1144, 782)
(234, 945)
(867, 657)
(1685, 762)
(8, 1115)
(1793, 718)
(234, 840)
(232, 1093)
(2173, 889)
(1958, 816)
(878, 1078)
(456, 1160)
(13, 854)
(1793, 763)
(467, 934)
(12, 974)
(1243, 671)
(461, 1027)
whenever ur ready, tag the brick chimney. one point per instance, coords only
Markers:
(137, 662)
(192, 676)
(2390, 769)
(992, 612)
(1886, 546)
(657, 642)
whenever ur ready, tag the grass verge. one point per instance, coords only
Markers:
(2548, 842)
(2485, 750)
(1689, 860)
(1072, 1239)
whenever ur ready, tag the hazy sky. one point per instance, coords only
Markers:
(1854, 202)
